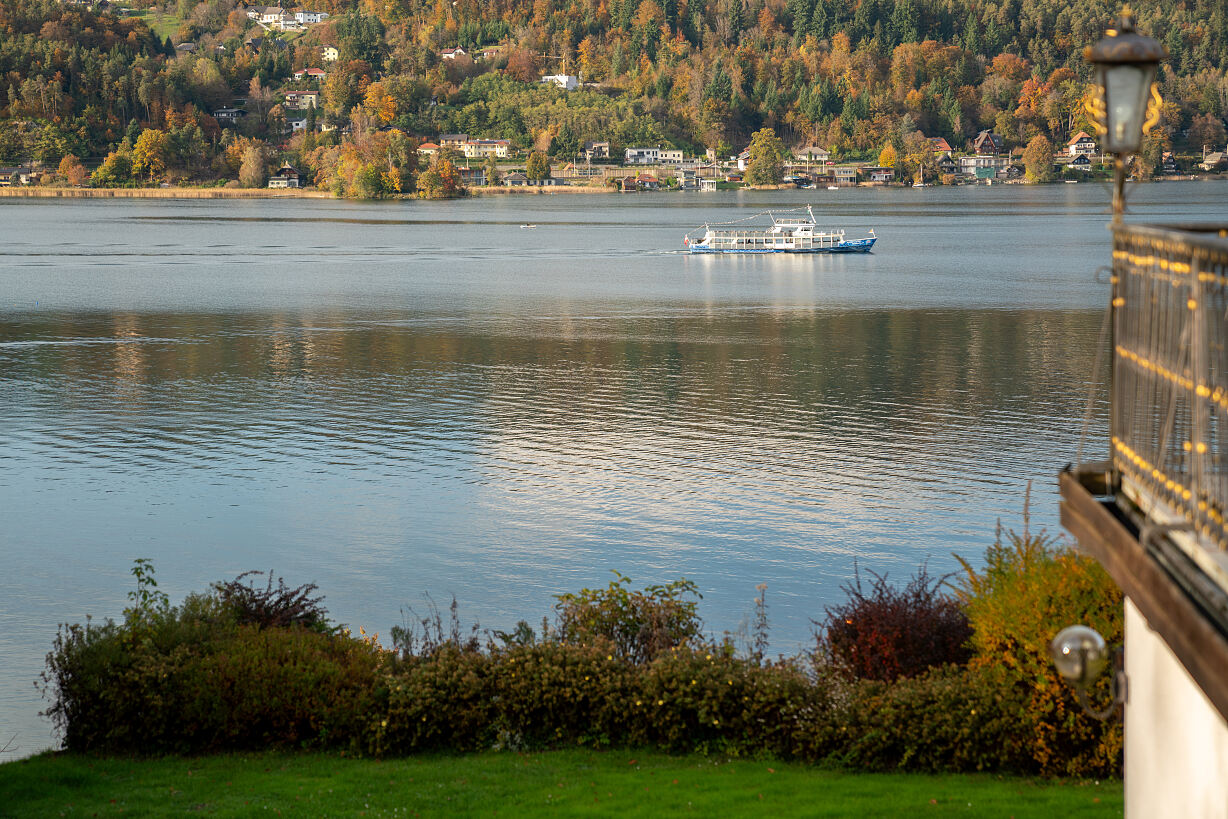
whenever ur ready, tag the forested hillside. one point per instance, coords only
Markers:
(849, 75)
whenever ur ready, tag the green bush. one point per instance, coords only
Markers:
(191, 678)
(639, 624)
(947, 719)
(623, 667)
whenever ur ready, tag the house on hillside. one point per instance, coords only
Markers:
(452, 53)
(987, 143)
(1081, 162)
(428, 148)
(946, 164)
(453, 141)
(227, 117)
(670, 156)
(1213, 161)
(287, 176)
(641, 156)
(843, 175)
(273, 15)
(812, 153)
(567, 82)
(939, 145)
(309, 18)
(984, 166)
(1081, 143)
(878, 174)
(302, 100)
(472, 177)
(596, 150)
(479, 148)
(185, 48)
(330, 54)
(310, 74)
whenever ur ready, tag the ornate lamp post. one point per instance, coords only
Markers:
(1127, 104)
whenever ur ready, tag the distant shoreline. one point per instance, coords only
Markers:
(302, 193)
(163, 193)
(258, 193)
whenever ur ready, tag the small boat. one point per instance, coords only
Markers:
(921, 183)
(785, 234)
(832, 188)
(528, 227)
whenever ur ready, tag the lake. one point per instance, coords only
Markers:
(395, 399)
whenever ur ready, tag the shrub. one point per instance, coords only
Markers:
(553, 692)
(274, 608)
(887, 633)
(639, 624)
(945, 719)
(706, 699)
(438, 701)
(1031, 588)
(191, 678)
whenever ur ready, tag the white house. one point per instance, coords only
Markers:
(310, 74)
(669, 156)
(330, 54)
(811, 153)
(287, 176)
(983, 165)
(567, 82)
(641, 156)
(273, 15)
(1081, 143)
(486, 147)
(302, 100)
(452, 53)
(310, 18)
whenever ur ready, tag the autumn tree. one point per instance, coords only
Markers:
(72, 171)
(115, 171)
(887, 156)
(149, 153)
(253, 173)
(538, 166)
(1038, 159)
(767, 156)
(441, 180)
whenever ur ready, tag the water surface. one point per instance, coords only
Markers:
(390, 399)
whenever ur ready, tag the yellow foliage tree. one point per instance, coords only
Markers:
(887, 157)
(149, 153)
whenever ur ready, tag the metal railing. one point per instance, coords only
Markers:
(1170, 370)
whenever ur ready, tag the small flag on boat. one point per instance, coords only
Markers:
(686, 240)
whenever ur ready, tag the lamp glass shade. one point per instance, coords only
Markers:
(1080, 654)
(1127, 88)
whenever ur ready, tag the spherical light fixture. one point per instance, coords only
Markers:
(1080, 655)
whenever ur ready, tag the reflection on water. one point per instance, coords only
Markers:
(394, 400)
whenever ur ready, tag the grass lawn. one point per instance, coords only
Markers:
(614, 783)
(169, 25)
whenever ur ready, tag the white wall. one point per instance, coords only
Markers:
(1176, 742)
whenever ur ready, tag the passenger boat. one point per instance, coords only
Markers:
(786, 234)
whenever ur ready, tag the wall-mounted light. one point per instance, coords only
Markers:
(1080, 654)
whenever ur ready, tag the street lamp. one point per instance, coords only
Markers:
(1127, 104)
